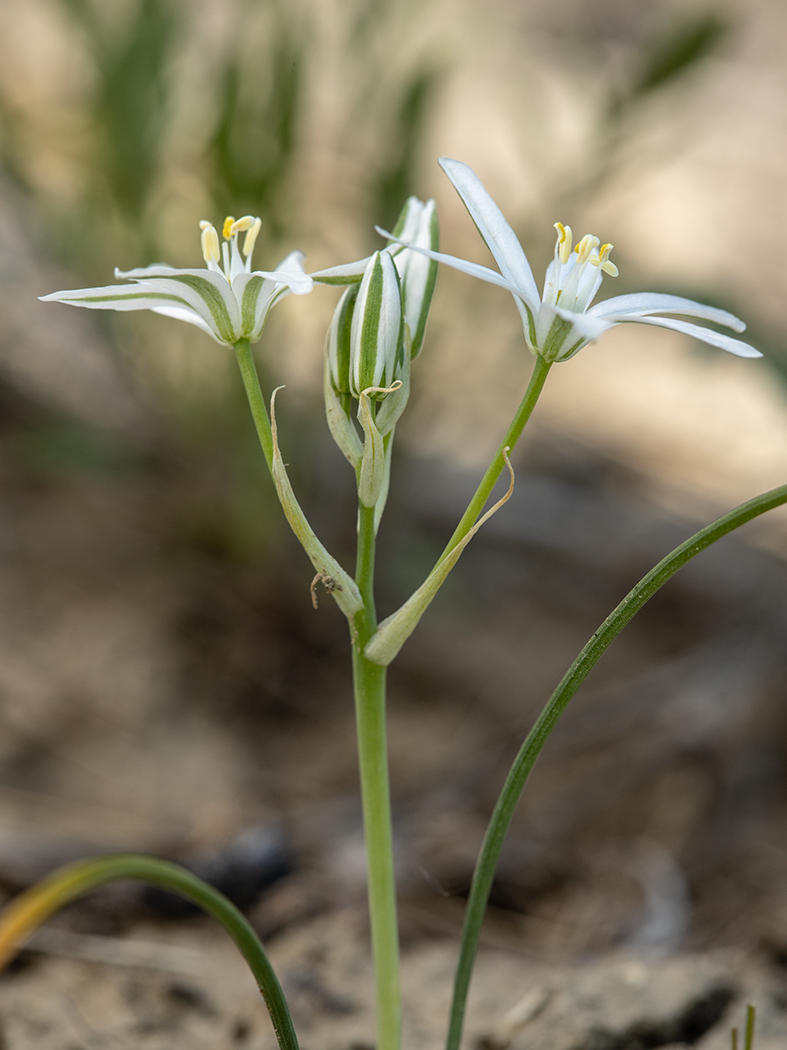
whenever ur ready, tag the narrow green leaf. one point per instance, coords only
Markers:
(547, 720)
(32, 908)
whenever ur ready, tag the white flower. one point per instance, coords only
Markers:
(228, 300)
(561, 322)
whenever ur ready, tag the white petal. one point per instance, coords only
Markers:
(348, 273)
(587, 326)
(156, 270)
(151, 273)
(208, 294)
(706, 335)
(268, 297)
(498, 235)
(182, 313)
(410, 220)
(206, 291)
(528, 323)
(296, 280)
(292, 261)
(156, 294)
(140, 296)
(640, 304)
(474, 269)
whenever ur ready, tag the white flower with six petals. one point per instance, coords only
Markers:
(228, 300)
(561, 321)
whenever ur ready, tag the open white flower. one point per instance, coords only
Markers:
(228, 300)
(561, 321)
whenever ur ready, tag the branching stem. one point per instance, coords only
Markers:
(497, 466)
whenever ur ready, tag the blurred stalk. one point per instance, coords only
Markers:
(252, 149)
(129, 111)
(660, 61)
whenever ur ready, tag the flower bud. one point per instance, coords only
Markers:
(417, 224)
(377, 330)
(337, 346)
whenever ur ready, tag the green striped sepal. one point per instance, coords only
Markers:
(377, 333)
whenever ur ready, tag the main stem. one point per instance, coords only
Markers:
(495, 469)
(369, 682)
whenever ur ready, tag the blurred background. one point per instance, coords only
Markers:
(164, 681)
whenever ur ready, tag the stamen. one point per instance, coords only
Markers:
(584, 247)
(226, 231)
(606, 265)
(564, 239)
(251, 237)
(241, 225)
(209, 240)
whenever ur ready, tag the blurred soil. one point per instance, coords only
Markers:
(158, 697)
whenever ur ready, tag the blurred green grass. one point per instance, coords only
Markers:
(172, 117)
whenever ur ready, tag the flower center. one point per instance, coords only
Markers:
(226, 258)
(575, 273)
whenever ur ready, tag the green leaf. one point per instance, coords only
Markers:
(32, 908)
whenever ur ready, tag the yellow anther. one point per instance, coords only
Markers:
(251, 237)
(226, 230)
(564, 238)
(602, 260)
(604, 263)
(241, 225)
(210, 242)
(586, 246)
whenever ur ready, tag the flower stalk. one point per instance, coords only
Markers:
(523, 413)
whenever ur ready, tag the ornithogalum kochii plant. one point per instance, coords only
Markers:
(377, 332)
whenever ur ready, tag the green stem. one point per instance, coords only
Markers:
(369, 682)
(495, 469)
(32, 908)
(369, 686)
(364, 565)
(555, 706)
(259, 410)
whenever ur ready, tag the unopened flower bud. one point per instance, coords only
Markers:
(417, 224)
(338, 341)
(377, 330)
